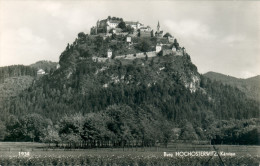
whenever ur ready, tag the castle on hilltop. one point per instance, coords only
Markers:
(114, 38)
(114, 25)
(132, 31)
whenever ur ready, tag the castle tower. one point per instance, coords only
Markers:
(158, 33)
(158, 27)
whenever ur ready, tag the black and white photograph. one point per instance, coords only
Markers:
(129, 83)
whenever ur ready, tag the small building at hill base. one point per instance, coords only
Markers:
(40, 72)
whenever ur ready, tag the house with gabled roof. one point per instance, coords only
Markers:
(40, 72)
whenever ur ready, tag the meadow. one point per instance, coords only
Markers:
(39, 154)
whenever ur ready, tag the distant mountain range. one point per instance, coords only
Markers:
(250, 86)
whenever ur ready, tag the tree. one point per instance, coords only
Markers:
(2, 131)
(122, 25)
(146, 57)
(144, 45)
(68, 47)
(188, 132)
(13, 129)
(93, 31)
(176, 44)
(166, 133)
(152, 34)
(113, 36)
(90, 131)
(50, 135)
(81, 35)
(29, 128)
(98, 42)
(32, 126)
(71, 128)
(110, 31)
(129, 29)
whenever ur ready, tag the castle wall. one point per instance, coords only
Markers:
(145, 33)
(120, 57)
(135, 34)
(171, 39)
(179, 53)
(151, 54)
(122, 33)
(98, 59)
(167, 52)
(130, 56)
(140, 55)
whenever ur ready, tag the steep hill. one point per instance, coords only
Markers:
(93, 86)
(250, 86)
(91, 97)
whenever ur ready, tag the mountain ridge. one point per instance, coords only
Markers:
(250, 86)
(213, 72)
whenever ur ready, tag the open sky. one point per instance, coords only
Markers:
(220, 36)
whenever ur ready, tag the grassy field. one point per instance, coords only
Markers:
(37, 154)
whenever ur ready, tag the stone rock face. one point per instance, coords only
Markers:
(193, 85)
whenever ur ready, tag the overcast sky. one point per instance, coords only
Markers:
(219, 36)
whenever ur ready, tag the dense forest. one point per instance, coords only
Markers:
(15, 71)
(47, 66)
(127, 102)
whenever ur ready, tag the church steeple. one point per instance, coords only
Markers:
(158, 27)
